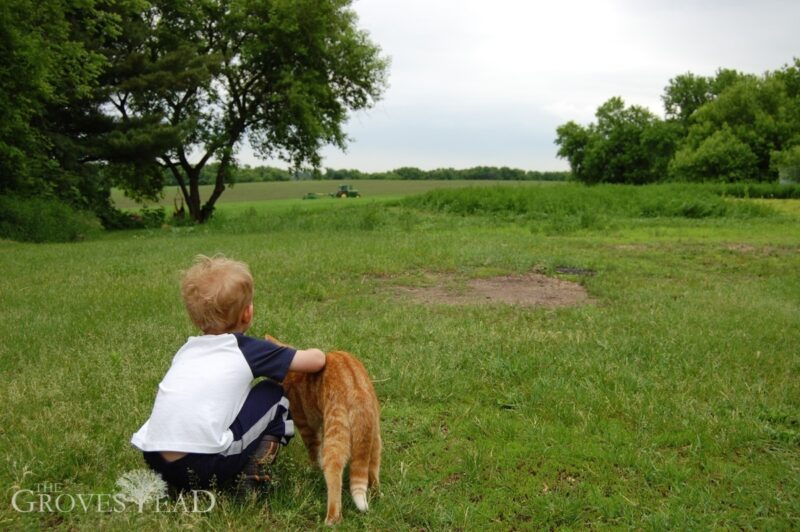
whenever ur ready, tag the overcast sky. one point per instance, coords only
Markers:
(477, 82)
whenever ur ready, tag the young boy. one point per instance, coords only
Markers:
(208, 425)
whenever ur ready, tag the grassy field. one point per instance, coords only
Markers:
(287, 190)
(670, 401)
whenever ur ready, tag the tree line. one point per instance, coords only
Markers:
(250, 174)
(728, 127)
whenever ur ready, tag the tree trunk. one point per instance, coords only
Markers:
(219, 186)
(193, 201)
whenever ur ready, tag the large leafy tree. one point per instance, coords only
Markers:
(47, 65)
(625, 145)
(190, 80)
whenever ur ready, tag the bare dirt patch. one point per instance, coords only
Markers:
(747, 249)
(630, 247)
(528, 290)
(741, 248)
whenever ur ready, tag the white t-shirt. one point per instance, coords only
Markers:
(204, 390)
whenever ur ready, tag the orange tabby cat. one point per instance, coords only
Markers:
(337, 414)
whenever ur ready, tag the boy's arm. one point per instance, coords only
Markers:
(305, 360)
(308, 360)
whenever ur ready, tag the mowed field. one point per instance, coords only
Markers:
(669, 398)
(285, 190)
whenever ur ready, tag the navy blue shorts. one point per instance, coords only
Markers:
(265, 411)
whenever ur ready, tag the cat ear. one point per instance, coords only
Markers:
(274, 340)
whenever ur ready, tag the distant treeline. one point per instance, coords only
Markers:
(249, 174)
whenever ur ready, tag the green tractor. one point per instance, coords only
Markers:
(346, 191)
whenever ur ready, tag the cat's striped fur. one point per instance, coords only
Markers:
(337, 414)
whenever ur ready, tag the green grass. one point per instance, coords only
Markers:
(670, 402)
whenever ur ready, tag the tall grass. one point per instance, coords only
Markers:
(681, 201)
(573, 207)
(757, 190)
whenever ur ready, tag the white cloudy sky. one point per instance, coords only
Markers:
(478, 82)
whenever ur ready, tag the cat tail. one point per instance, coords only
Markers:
(335, 453)
(362, 448)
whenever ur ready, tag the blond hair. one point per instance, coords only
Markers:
(216, 290)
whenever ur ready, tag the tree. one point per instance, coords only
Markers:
(190, 81)
(47, 65)
(684, 95)
(573, 139)
(626, 145)
(747, 121)
(731, 126)
(789, 78)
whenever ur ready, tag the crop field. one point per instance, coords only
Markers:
(289, 190)
(545, 356)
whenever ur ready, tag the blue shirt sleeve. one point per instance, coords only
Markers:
(266, 359)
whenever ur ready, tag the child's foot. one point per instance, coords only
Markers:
(258, 471)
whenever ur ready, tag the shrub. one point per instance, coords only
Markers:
(146, 218)
(720, 157)
(43, 220)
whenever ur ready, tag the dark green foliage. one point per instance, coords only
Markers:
(145, 218)
(49, 65)
(52, 129)
(43, 220)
